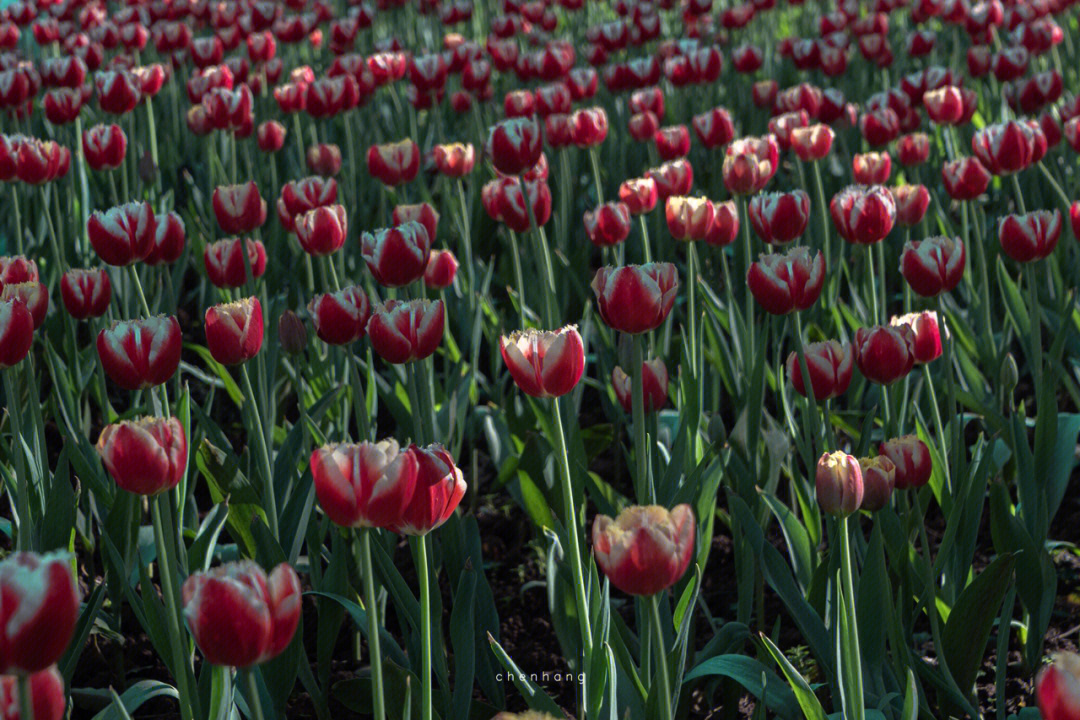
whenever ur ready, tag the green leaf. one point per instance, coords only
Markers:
(750, 673)
(808, 701)
(1014, 301)
(134, 697)
(534, 697)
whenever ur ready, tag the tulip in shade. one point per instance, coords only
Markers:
(224, 261)
(396, 256)
(86, 293)
(640, 195)
(713, 127)
(911, 203)
(672, 142)
(608, 224)
(830, 365)
(441, 269)
(544, 363)
(46, 693)
(588, 127)
(654, 382)
(341, 316)
(39, 604)
(965, 178)
(779, 217)
(1005, 148)
(1030, 237)
(104, 147)
(142, 353)
(926, 330)
(324, 159)
(402, 332)
(364, 485)
(1057, 688)
(124, 234)
(912, 460)
(270, 136)
(510, 203)
(34, 295)
(299, 196)
(394, 163)
(646, 549)
(635, 298)
(884, 353)
(239, 208)
(514, 145)
(17, 269)
(725, 224)
(422, 213)
(879, 477)
(322, 230)
(239, 616)
(234, 331)
(146, 456)
(688, 218)
(863, 215)
(791, 281)
(169, 238)
(839, 483)
(934, 265)
(16, 332)
(439, 488)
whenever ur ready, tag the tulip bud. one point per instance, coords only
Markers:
(830, 366)
(292, 334)
(646, 549)
(454, 160)
(1057, 688)
(913, 149)
(813, 142)
(672, 178)
(725, 225)
(299, 196)
(144, 457)
(138, 354)
(926, 331)
(1004, 148)
(439, 488)
(17, 269)
(839, 483)
(341, 316)
(672, 142)
(792, 281)
(879, 477)
(871, 168)
(714, 127)
(544, 363)
(364, 485)
(1010, 374)
(39, 604)
(402, 332)
(934, 265)
(322, 230)
(239, 616)
(635, 298)
(885, 354)
(46, 692)
(441, 268)
(654, 382)
(104, 146)
(234, 331)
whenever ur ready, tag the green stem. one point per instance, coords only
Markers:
(18, 219)
(264, 453)
(857, 710)
(139, 289)
(645, 490)
(750, 331)
(466, 238)
(824, 212)
(874, 318)
(515, 256)
(804, 370)
(647, 256)
(22, 478)
(167, 572)
(939, 428)
(254, 703)
(420, 544)
(26, 697)
(378, 692)
(594, 156)
(661, 658)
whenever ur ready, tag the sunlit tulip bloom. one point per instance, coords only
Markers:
(725, 224)
(645, 549)
(885, 354)
(749, 164)
(16, 332)
(401, 332)
(544, 363)
(234, 331)
(635, 298)
(672, 142)
(46, 690)
(454, 160)
(927, 332)
(879, 478)
(32, 294)
(1004, 148)
(688, 218)
(441, 269)
(240, 616)
(839, 484)
(965, 178)
(146, 456)
(779, 217)
(422, 213)
(944, 105)
(239, 208)
(104, 146)
(863, 215)
(299, 196)
(1057, 688)
(654, 384)
(39, 605)
(911, 458)
(322, 230)
(439, 489)
(912, 202)
(871, 168)
(124, 234)
(364, 485)
(674, 177)
(224, 261)
(396, 256)
(640, 195)
(934, 265)
(142, 353)
(812, 142)
(85, 293)
(340, 317)
(1030, 237)
(514, 145)
(830, 365)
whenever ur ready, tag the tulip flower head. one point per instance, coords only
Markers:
(544, 363)
(779, 217)
(394, 163)
(781, 283)
(146, 456)
(879, 478)
(830, 366)
(646, 549)
(85, 293)
(1030, 237)
(322, 230)
(239, 208)
(926, 330)
(912, 202)
(885, 353)
(397, 256)
(839, 483)
(46, 690)
(635, 298)
(688, 218)
(234, 331)
(16, 331)
(341, 316)
(912, 460)
(608, 224)
(124, 234)
(39, 604)
(138, 354)
(364, 485)
(1057, 688)
(439, 488)
(401, 332)
(654, 384)
(863, 214)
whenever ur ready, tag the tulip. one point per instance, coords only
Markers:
(454, 160)
(402, 332)
(234, 331)
(635, 298)
(224, 262)
(672, 142)
(642, 126)
(654, 380)
(645, 549)
(104, 147)
(124, 234)
(510, 203)
(688, 218)
(749, 164)
(341, 316)
(1030, 237)
(912, 460)
(514, 145)
(965, 178)
(879, 126)
(884, 354)
(782, 125)
(33, 295)
(365, 485)
(146, 456)
(725, 225)
(138, 354)
(714, 127)
(17, 269)
(422, 213)
(1057, 688)
(291, 333)
(544, 363)
(813, 142)
(925, 328)
(39, 605)
(439, 488)
(239, 208)
(441, 269)
(16, 332)
(270, 136)
(239, 616)
(86, 293)
(871, 168)
(839, 484)
(879, 478)
(863, 215)
(787, 282)
(169, 239)
(912, 202)
(608, 224)
(672, 178)
(830, 366)
(779, 217)
(299, 196)
(324, 159)
(588, 127)
(913, 149)
(396, 256)
(640, 195)
(944, 105)
(322, 230)
(1004, 148)
(934, 265)
(46, 692)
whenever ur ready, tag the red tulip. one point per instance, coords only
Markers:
(725, 224)
(16, 332)
(239, 616)
(86, 293)
(1004, 148)
(608, 224)
(340, 317)
(839, 484)
(1057, 688)
(812, 142)
(142, 353)
(884, 354)
(169, 239)
(299, 196)
(648, 100)
(879, 478)
(104, 146)
(455, 160)
(1074, 218)
(779, 217)
(926, 331)
(787, 282)
(912, 202)
(394, 163)
(322, 230)
(871, 168)
(749, 164)
(234, 331)
(1030, 237)
(635, 298)
(944, 105)
(441, 268)
(863, 215)
(830, 366)
(146, 456)
(688, 218)
(588, 127)
(781, 126)
(39, 605)
(654, 383)
(402, 332)
(439, 488)
(965, 178)
(672, 178)
(912, 460)
(934, 265)
(544, 363)
(514, 145)
(225, 264)
(714, 127)
(17, 269)
(118, 91)
(324, 159)
(913, 149)
(640, 195)
(510, 203)
(396, 256)
(364, 485)
(34, 295)
(672, 142)
(642, 126)
(644, 550)
(422, 213)
(46, 691)
(124, 234)
(880, 126)
(239, 208)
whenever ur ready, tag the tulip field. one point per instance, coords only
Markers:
(540, 359)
